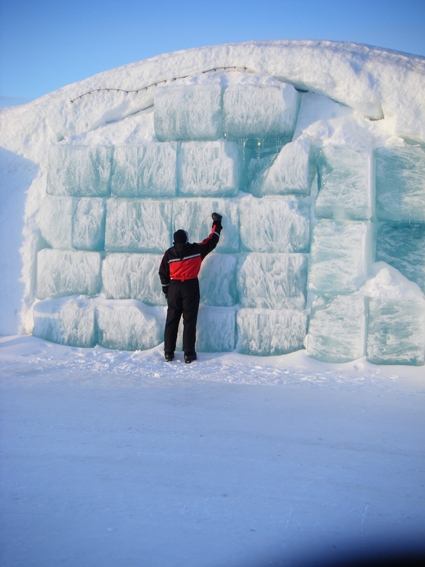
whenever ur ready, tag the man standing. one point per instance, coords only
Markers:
(178, 272)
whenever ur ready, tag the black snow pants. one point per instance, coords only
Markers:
(183, 298)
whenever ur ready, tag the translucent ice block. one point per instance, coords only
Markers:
(133, 276)
(137, 225)
(273, 281)
(194, 215)
(82, 171)
(341, 253)
(291, 171)
(216, 329)
(188, 112)
(88, 230)
(218, 280)
(267, 332)
(210, 169)
(67, 321)
(145, 171)
(345, 183)
(274, 224)
(400, 183)
(55, 221)
(396, 332)
(403, 246)
(129, 324)
(61, 272)
(337, 328)
(260, 111)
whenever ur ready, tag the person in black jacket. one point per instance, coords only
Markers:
(178, 272)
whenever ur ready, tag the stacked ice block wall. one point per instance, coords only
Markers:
(110, 212)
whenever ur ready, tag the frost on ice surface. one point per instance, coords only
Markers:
(55, 221)
(129, 324)
(266, 111)
(80, 171)
(216, 329)
(133, 276)
(270, 332)
(274, 224)
(188, 112)
(194, 216)
(210, 169)
(88, 226)
(337, 328)
(273, 281)
(137, 225)
(61, 272)
(149, 170)
(341, 253)
(218, 280)
(345, 188)
(67, 321)
(400, 183)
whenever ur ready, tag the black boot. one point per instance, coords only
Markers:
(189, 357)
(169, 356)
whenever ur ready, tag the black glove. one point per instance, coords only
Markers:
(165, 290)
(216, 219)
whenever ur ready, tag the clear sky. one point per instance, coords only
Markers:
(47, 44)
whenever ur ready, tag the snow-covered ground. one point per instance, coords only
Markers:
(114, 458)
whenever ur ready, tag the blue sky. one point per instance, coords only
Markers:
(47, 44)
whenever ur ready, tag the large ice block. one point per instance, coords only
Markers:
(133, 276)
(55, 221)
(218, 280)
(88, 227)
(403, 246)
(67, 321)
(149, 170)
(137, 225)
(341, 253)
(209, 169)
(273, 281)
(260, 111)
(194, 215)
(337, 328)
(345, 183)
(188, 112)
(267, 332)
(81, 171)
(291, 171)
(216, 329)
(400, 183)
(274, 224)
(61, 273)
(129, 324)
(396, 331)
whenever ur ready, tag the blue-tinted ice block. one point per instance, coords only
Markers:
(216, 329)
(129, 324)
(210, 169)
(136, 225)
(61, 273)
(88, 226)
(55, 221)
(267, 332)
(188, 112)
(403, 247)
(400, 184)
(66, 321)
(274, 224)
(396, 332)
(291, 171)
(133, 276)
(149, 170)
(194, 216)
(273, 281)
(80, 171)
(340, 257)
(345, 183)
(217, 280)
(260, 111)
(337, 328)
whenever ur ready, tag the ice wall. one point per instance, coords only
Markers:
(294, 258)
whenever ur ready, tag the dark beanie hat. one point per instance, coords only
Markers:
(180, 237)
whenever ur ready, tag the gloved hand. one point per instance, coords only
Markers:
(165, 290)
(216, 219)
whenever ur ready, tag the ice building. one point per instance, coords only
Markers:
(319, 186)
